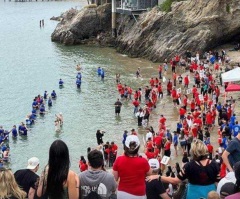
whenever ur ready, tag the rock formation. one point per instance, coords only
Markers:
(79, 26)
(195, 25)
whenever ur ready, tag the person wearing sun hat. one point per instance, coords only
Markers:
(26, 178)
(132, 170)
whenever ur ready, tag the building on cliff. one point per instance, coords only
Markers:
(135, 7)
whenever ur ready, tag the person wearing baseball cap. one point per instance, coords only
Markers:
(155, 188)
(26, 178)
(131, 169)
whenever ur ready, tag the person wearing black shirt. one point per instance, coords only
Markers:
(155, 188)
(99, 136)
(118, 106)
(27, 178)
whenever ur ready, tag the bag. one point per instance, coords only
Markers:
(93, 195)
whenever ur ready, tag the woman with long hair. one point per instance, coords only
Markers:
(9, 188)
(57, 181)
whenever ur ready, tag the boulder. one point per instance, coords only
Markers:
(78, 26)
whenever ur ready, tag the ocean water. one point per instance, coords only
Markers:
(30, 64)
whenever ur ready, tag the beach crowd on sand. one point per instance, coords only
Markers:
(193, 84)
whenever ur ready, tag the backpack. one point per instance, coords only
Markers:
(93, 194)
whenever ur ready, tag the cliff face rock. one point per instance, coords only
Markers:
(195, 25)
(77, 26)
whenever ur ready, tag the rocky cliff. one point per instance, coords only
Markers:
(195, 25)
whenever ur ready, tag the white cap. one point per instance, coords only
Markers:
(33, 163)
(154, 163)
(132, 138)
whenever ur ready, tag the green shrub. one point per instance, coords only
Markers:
(166, 5)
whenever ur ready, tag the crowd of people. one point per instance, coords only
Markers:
(205, 170)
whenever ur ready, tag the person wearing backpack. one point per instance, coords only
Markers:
(96, 183)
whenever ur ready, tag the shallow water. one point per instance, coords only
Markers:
(30, 64)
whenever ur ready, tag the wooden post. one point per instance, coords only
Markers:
(114, 30)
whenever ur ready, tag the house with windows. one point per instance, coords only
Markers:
(134, 7)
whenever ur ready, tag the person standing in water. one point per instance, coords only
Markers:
(59, 117)
(102, 74)
(138, 73)
(118, 106)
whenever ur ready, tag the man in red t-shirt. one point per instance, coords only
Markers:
(182, 112)
(136, 104)
(162, 119)
(186, 81)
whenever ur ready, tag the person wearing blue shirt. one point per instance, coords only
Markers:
(79, 76)
(49, 101)
(35, 104)
(233, 119)
(224, 141)
(24, 130)
(53, 94)
(61, 82)
(14, 131)
(45, 95)
(99, 71)
(179, 126)
(42, 109)
(78, 83)
(235, 129)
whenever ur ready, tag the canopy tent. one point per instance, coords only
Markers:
(232, 75)
(232, 87)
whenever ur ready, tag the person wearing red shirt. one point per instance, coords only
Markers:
(154, 98)
(198, 121)
(167, 146)
(83, 166)
(136, 104)
(129, 92)
(134, 132)
(114, 148)
(160, 68)
(162, 119)
(216, 67)
(119, 87)
(185, 102)
(209, 119)
(174, 96)
(177, 58)
(192, 105)
(194, 90)
(182, 112)
(135, 96)
(122, 92)
(151, 82)
(194, 130)
(157, 140)
(131, 171)
(160, 91)
(169, 87)
(150, 154)
(210, 150)
(186, 81)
